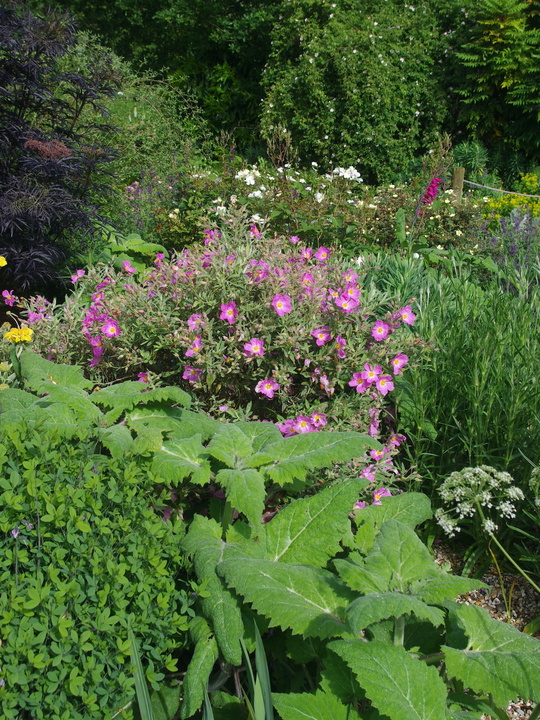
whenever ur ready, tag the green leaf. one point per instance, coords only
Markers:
(129, 393)
(498, 658)
(199, 668)
(117, 439)
(305, 706)
(148, 440)
(165, 701)
(295, 456)
(230, 445)
(309, 600)
(41, 374)
(409, 508)
(203, 541)
(436, 590)
(180, 422)
(141, 688)
(309, 530)
(182, 458)
(372, 608)
(245, 491)
(397, 684)
(260, 434)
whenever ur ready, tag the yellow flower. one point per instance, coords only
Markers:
(23, 334)
(3, 261)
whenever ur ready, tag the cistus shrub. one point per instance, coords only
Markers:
(83, 556)
(51, 175)
(242, 321)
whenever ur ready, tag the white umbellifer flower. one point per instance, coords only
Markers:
(507, 509)
(490, 527)
(319, 197)
(248, 176)
(255, 194)
(515, 493)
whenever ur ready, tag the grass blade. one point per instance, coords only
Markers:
(141, 688)
(263, 675)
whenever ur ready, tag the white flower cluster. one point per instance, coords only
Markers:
(350, 173)
(250, 177)
(473, 491)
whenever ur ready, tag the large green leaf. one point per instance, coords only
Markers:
(409, 508)
(309, 600)
(199, 668)
(181, 458)
(310, 530)
(129, 393)
(372, 608)
(294, 456)
(398, 685)
(498, 658)
(305, 706)
(245, 491)
(40, 374)
(436, 590)
(178, 421)
(203, 541)
(261, 434)
(117, 439)
(230, 445)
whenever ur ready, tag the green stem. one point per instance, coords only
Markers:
(399, 630)
(227, 516)
(433, 658)
(508, 557)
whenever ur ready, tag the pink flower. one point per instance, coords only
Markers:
(98, 297)
(352, 291)
(195, 346)
(77, 276)
(159, 258)
(325, 385)
(34, 317)
(97, 350)
(406, 314)
(350, 276)
(282, 304)
(191, 374)
(359, 383)
(359, 505)
(194, 322)
(9, 297)
(380, 330)
(302, 425)
(322, 254)
(371, 373)
(260, 270)
(229, 312)
(384, 384)
(347, 304)
(307, 253)
(143, 377)
(110, 328)
(395, 440)
(307, 279)
(368, 473)
(254, 231)
(340, 344)
(398, 362)
(104, 283)
(318, 419)
(380, 493)
(322, 335)
(379, 454)
(294, 239)
(285, 427)
(128, 267)
(254, 347)
(267, 387)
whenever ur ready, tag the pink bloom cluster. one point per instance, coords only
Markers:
(377, 495)
(431, 191)
(302, 424)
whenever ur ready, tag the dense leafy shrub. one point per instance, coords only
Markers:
(84, 556)
(50, 173)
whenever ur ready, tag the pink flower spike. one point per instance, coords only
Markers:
(380, 493)
(128, 267)
(110, 328)
(191, 374)
(9, 297)
(380, 331)
(254, 347)
(282, 304)
(407, 316)
(229, 312)
(398, 362)
(322, 254)
(267, 387)
(77, 276)
(384, 384)
(322, 335)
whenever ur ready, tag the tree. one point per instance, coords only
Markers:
(50, 176)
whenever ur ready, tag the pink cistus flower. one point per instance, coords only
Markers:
(302, 425)
(254, 347)
(371, 373)
(194, 322)
(322, 335)
(9, 297)
(267, 387)
(282, 304)
(77, 276)
(110, 328)
(127, 266)
(229, 312)
(318, 419)
(398, 362)
(194, 348)
(340, 345)
(359, 505)
(254, 231)
(406, 315)
(347, 304)
(359, 383)
(260, 270)
(191, 374)
(384, 384)
(380, 493)
(294, 239)
(380, 330)
(143, 377)
(308, 279)
(322, 254)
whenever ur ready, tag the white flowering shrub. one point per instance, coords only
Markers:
(479, 498)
